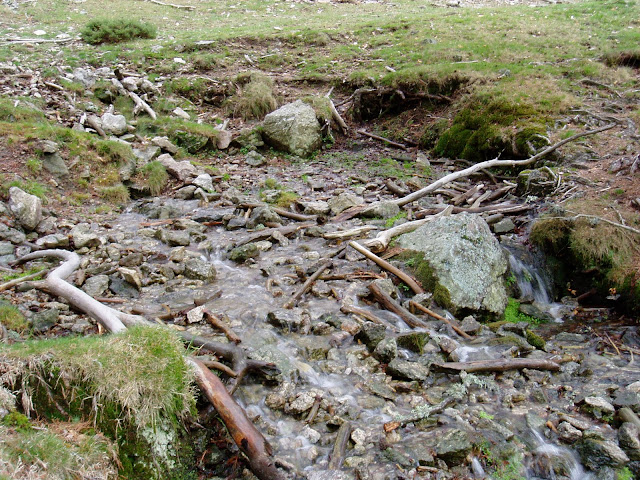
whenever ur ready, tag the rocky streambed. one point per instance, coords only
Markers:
(352, 397)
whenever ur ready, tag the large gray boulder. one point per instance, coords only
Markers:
(293, 128)
(26, 208)
(465, 263)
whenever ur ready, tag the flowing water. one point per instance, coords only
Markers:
(332, 368)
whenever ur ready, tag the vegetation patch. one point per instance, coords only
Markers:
(152, 177)
(191, 136)
(12, 318)
(255, 96)
(116, 30)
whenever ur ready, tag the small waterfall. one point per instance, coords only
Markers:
(550, 461)
(530, 282)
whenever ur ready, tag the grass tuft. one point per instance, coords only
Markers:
(255, 98)
(116, 30)
(153, 176)
(116, 194)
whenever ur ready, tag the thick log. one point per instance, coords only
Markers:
(498, 365)
(244, 433)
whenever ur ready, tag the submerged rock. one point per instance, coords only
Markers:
(464, 264)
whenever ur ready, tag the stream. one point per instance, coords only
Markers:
(515, 424)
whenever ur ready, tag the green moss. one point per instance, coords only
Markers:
(116, 30)
(512, 314)
(12, 318)
(18, 421)
(424, 273)
(535, 340)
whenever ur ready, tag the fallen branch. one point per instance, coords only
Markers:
(382, 139)
(183, 7)
(37, 40)
(282, 212)
(220, 325)
(244, 433)
(307, 285)
(417, 414)
(491, 164)
(390, 304)
(347, 308)
(353, 232)
(499, 365)
(411, 283)
(268, 232)
(593, 217)
(140, 104)
(424, 309)
(18, 281)
(504, 208)
(94, 122)
(340, 446)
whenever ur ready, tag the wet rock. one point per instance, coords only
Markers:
(96, 286)
(198, 269)
(55, 240)
(272, 354)
(82, 236)
(319, 207)
(596, 454)
(598, 407)
(629, 440)
(413, 341)
(174, 238)
(131, 276)
(381, 210)
(302, 403)
(236, 223)
(288, 320)
(254, 159)
(386, 350)
(406, 370)
(626, 398)
(44, 320)
(293, 128)
(343, 201)
(371, 334)
(114, 124)
(122, 289)
(568, 433)
(244, 252)
(329, 475)
(263, 215)
(470, 325)
(26, 208)
(467, 263)
(183, 170)
(453, 447)
(165, 144)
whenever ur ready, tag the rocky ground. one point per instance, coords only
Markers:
(238, 232)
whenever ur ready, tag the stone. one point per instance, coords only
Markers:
(146, 155)
(6, 248)
(254, 159)
(381, 210)
(343, 201)
(629, 440)
(165, 144)
(198, 269)
(598, 407)
(132, 276)
(263, 215)
(413, 341)
(44, 320)
(204, 181)
(11, 234)
(54, 164)
(470, 325)
(466, 262)
(244, 252)
(48, 146)
(293, 128)
(626, 398)
(302, 403)
(26, 208)
(180, 113)
(175, 238)
(406, 370)
(114, 124)
(82, 236)
(371, 334)
(122, 289)
(249, 138)
(568, 433)
(386, 350)
(84, 76)
(96, 286)
(319, 207)
(453, 447)
(223, 139)
(596, 454)
(293, 320)
(535, 182)
(183, 170)
(505, 225)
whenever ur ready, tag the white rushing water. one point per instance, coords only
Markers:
(551, 461)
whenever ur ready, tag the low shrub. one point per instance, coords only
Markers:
(116, 30)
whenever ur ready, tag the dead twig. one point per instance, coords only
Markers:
(307, 285)
(382, 139)
(424, 309)
(220, 325)
(499, 365)
(390, 304)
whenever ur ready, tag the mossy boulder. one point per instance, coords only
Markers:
(463, 264)
(293, 128)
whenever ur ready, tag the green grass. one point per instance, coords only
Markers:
(153, 176)
(12, 318)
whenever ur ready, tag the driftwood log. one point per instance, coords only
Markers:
(248, 438)
(499, 365)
